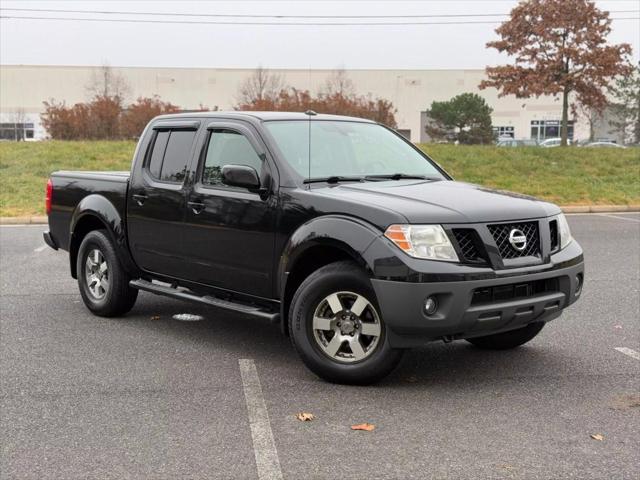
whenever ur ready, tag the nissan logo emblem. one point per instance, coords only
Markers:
(517, 239)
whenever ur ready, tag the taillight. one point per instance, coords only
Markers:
(47, 197)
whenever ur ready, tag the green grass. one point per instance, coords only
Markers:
(25, 167)
(568, 176)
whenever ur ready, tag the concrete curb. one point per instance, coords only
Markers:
(34, 220)
(600, 208)
(42, 220)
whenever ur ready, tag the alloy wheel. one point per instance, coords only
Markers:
(96, 274)
(346, 327)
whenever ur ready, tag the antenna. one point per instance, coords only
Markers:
(309, 113)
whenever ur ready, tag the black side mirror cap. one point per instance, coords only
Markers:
(241, 176)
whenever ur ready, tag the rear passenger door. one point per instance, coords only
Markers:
(157, 199)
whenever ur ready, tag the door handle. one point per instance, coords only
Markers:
(139, 198)
(196, 207)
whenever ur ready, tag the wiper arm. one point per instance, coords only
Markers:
(400, 176)
(332, 179)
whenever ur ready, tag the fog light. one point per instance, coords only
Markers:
(430, 305)
(579, 281)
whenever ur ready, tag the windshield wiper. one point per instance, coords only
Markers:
(400, 176)
(332, 179)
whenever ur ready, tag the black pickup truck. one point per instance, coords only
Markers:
(338, 229)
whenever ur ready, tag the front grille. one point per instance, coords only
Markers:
(515, 291)
(501, 234)
(553, 232)
(469, 245)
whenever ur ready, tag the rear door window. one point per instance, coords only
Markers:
(170, 155)
(157, 154)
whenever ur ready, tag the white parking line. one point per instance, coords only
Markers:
(40, 248)
(619, 217)
(264, 446)
(629, 351)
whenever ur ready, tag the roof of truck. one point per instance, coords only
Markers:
(265, 116)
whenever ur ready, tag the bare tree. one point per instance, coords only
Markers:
(19, 118)
(626, 106)
(106, 82)
(592, 115)
(339, 83)
(261, 86)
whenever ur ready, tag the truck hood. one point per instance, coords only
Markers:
(444, 201)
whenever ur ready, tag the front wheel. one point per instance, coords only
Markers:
(508, 340)
(337, 329)
(104, 284)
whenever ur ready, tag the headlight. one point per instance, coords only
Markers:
(422, 241)
(565, 231)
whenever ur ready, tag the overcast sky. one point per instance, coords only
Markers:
(72, 42)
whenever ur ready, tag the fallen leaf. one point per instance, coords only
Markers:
(506, 466)
(626, 402)
(597, 436)
(305, 417)
(155, 317)
(363, 426)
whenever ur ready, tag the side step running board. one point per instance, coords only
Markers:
(184, 294)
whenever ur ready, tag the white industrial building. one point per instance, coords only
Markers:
(23, 89)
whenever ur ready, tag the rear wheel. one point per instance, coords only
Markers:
(507, 340)
(337, 329)
(104, 285)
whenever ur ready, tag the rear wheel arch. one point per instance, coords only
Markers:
(85, 224)
(96, 212)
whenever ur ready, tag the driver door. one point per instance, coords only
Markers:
(230, 231)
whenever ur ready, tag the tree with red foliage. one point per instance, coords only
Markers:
(560, 48)
(293, 100)
(103, 118)
(137, 115)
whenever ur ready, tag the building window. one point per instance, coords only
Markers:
(16, 131)
(543, 129)
(503, 132)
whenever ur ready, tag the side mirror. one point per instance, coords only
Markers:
(240, 176)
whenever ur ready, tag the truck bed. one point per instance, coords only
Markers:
(73, 188)
(121, 176)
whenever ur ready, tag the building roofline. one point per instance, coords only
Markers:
(243, 69)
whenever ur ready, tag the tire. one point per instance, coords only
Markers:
(508, 340)
(325, 345)
(107, 292)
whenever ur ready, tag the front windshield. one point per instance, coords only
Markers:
(346, 149)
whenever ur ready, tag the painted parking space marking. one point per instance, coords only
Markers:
(628, 351)
(40, 248)
(264, 446)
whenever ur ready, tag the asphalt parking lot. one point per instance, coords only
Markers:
(148, 396)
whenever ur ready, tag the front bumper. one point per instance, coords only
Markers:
(459, 316)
